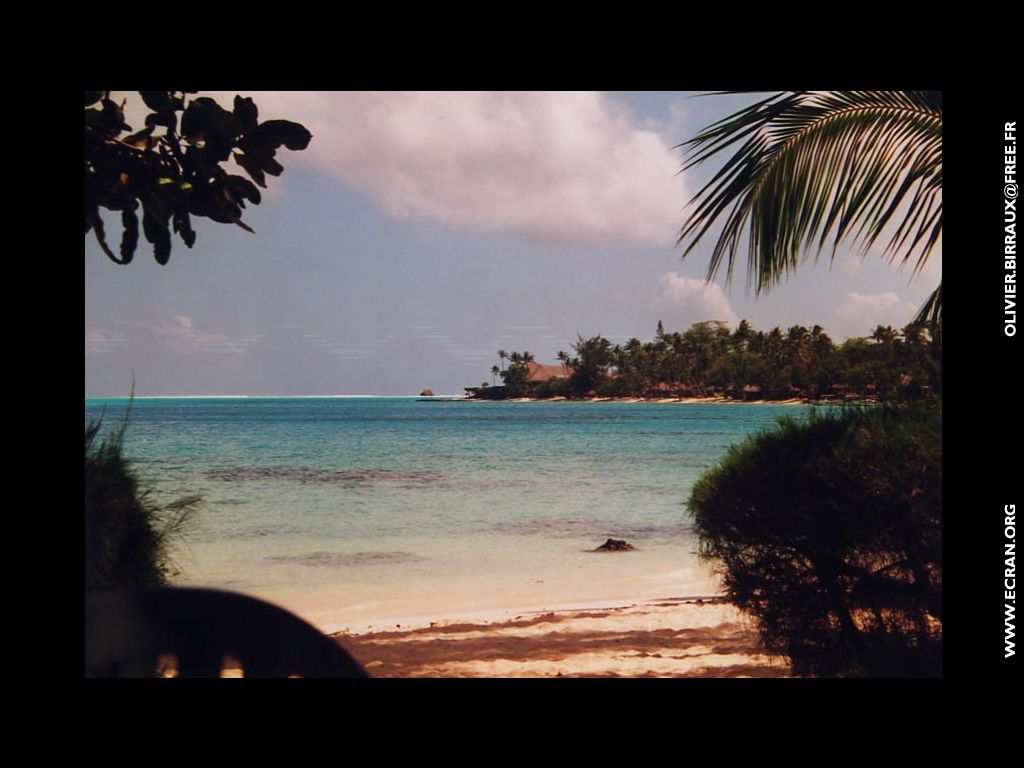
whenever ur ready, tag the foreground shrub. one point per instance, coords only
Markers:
(127, 533)
(829, 533)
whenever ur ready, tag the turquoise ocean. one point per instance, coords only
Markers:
(370, 511)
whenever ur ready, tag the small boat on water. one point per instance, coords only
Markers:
(428, 396)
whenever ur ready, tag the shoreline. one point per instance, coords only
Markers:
(698, 636)
(663, 400)
(462, 399)
(428, 619)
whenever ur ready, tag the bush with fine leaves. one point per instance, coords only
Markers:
(829, 532)
(127, 533)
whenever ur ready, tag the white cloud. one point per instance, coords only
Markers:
(98, 341)
(180, 334)
(866, 310)
(557, 168)
(694, 299)
(96, 336)
(850, 262)
(184, 337)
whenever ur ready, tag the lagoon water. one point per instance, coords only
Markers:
(360, 512)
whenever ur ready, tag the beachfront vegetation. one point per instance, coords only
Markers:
(172, 166)
(128, 533)
(829, 532)
(810, 168)
(709, 360)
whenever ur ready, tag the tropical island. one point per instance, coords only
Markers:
(707, 361)
(818, 543)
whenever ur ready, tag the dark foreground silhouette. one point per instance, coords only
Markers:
(178, 632)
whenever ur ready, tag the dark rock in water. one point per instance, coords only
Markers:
(615, 545)
(348, 476)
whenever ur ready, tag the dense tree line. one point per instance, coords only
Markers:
(709, 360)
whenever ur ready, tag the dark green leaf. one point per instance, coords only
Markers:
(94, 119)
(271, 166)
(245, 188)
(155, 227)
(205, 117)
(183, 226)
(246, 112)
(226, 211)
(168, 119)
(114, 117)
(180, 173)
(130, 237)
(251, 167)
(94, 221)
(158, 101)
(214, 202)
(278, 132)
(140, 137)
(261, 153)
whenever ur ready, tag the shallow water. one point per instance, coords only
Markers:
(356, 511)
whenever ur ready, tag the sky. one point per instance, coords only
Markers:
(419, 233)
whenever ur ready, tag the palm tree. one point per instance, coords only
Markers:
(741, 336)
(885, 334)
(818, 167)
(821, 345)
(799, 343)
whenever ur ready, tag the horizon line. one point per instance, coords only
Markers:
(241, 397)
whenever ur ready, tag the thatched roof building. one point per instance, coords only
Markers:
(541, 372)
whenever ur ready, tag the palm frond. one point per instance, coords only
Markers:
(931, 310)
(817, 167)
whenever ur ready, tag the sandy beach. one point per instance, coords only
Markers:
(673, 637)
